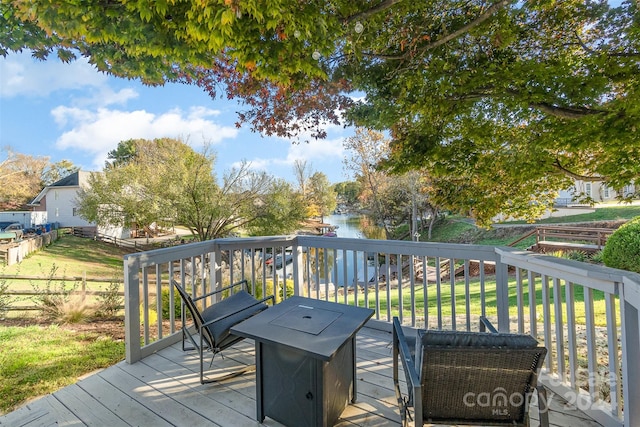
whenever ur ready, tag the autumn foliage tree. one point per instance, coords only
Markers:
(546, 91)
(23, 176)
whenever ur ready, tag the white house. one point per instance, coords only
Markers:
(596, 190)
(58, 200)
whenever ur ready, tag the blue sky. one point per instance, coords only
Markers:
(71, 111)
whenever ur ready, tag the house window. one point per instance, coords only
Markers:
(55, 194)
(75, 212)
(607, 193)
(57, 212)
(587, 189)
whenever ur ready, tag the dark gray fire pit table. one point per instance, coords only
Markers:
(305, 360)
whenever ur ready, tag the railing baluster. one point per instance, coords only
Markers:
(452, 289)
(533, 316)
(158, 273)
(571, 333)
(546, 309)
(592, 347)
(439, 292)
(614, 361)
(519, 300)
(467, 292)
(559, 325)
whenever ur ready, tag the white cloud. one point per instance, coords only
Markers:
(98, 132)
(318, 153)
(315, 149)
(21, 75)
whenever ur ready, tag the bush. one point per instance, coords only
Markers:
(177, 303)
(597, 258)
(54, 298)
(623, 247)
(5, 298)
(269, 289)
(110, 302)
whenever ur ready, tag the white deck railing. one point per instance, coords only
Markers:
(592, 336)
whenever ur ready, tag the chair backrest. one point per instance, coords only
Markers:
(477, 378)
(195, 314)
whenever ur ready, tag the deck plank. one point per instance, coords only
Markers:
(164, 389)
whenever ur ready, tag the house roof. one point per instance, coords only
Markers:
(74, 180)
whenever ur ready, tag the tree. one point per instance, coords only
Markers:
(280, 211)
(365, 149)
(322, 194)
(22, 177)
(165, 179)
(56, 171)
(302, 172)
(347, 192)
(462, 87)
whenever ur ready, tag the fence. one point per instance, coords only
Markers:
(16, 294)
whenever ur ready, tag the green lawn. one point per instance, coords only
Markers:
(73, 256)
(475, 302)
(37, 360)
(602, 213)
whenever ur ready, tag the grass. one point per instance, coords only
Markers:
(475, 301)
(73, 256)
(602, 213)
(57, 360)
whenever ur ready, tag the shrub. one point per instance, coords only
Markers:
(110, 302)
(75, 310)
(596, 258)
(177, 303)
(576, 256)
(52, 298)
(5, 298)
(269, 289)
(623, 247)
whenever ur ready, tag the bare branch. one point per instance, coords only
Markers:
(386, 4)
(576, 176)
(566, 112)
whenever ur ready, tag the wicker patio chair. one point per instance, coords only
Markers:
(470, 378)
(212, 325)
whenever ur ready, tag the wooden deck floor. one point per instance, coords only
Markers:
(164, 390)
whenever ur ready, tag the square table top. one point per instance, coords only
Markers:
(318, 328)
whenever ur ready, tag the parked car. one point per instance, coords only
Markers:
(11, 231)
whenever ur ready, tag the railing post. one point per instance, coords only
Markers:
(629, 303)
(298, 276)
(502, 295)
(131, 308)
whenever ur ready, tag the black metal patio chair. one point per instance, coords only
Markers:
(211, 326)
(469, 378)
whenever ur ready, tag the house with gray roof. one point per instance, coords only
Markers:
(58, 200)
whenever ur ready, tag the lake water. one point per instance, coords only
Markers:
(355, 227)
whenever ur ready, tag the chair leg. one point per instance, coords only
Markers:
(203, 380)
(543, 406)
(247, 369)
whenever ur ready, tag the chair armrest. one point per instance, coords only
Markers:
(485, 325)
(217, 291)
(408, 364)
(414, 389)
